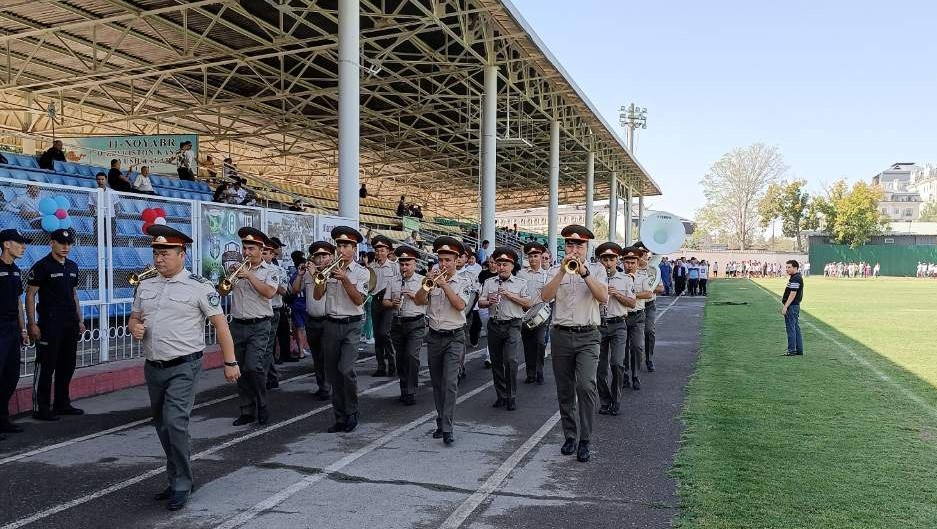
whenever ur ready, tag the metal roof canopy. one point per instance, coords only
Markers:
(259, 79)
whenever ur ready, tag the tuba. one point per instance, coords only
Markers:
(226, 285)
(323, 275)
(137, 277)
(662, 233)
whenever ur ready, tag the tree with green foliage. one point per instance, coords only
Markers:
(789, 202)
(600, 227)
(856, 217)
(929, 211)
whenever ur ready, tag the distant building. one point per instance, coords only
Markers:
(534, 220)
(907, 187)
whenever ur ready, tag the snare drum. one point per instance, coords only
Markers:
(537, 315)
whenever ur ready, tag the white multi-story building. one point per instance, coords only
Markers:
(907, 186)
(534, 220)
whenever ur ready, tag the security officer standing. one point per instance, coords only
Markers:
(408, 328)
(635, 318)
(506, 298)
(344, 293)
(445, 341)
(322, 253)
(57, 331)
(575, 338)
(13, 332)
(251, 315)
(614, 329)
(387, 274)
(534, 340)
(276, 303)
(168, 315)
(650, 306)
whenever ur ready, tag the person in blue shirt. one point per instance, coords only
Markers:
(693, 276)
(666, 271)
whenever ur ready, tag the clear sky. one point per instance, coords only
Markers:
(844, 89)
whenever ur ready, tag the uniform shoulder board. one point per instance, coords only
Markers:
(198, 278)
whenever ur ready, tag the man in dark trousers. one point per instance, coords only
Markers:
(54, 278)
(388, 273)
(793, 295)
(12, 323)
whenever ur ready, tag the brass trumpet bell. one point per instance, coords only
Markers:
(572, 266)
(323, 275)
(226, 285)
(429, 283)
(137, 277)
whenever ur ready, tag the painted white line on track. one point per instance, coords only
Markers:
(209, 451)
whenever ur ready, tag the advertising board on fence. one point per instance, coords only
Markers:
(327, 222)
(296, 230)
(220, 245)
(155, 151)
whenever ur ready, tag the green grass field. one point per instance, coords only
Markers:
(843, 437)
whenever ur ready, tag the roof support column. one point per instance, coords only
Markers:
(489, 156)
(348, 108)
(640, 214)
(554, 205)
(613, 207)
(590, 189)
(628, 231)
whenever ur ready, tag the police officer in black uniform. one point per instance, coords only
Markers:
(54, 278)
(12, 328)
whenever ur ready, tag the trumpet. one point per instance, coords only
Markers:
(572, 266)
(429, 283)
(226, 285)
(136, 277)
(323, 275)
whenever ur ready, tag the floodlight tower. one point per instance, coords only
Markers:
(632, 117)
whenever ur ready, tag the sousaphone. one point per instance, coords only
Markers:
(662, 233)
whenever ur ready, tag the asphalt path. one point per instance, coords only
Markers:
(505, 468)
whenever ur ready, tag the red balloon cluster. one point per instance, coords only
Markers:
(153, 216)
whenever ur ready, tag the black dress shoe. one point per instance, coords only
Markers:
(163, 495)
(437, 433)
(352, 423)
(392, 373)
(613, 408)
(409, 400)
(583, 454)
(650, 366)
(447, 438)
(568, 447)
(603, 409)
(323, 395)
(379, 373)
(243, 419)
(9, 427)
(263, 416)
(45, 415)
(487, 364)
(627, 382)
(635, 384)
(178, 500)
(499, 403)
(512, 404)
(68, 410)
(337, 427)
(273, 384)
(540, 379)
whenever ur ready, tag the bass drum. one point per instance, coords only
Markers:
(536, 315)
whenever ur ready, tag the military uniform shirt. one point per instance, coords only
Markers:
(624, 283)
(641, 284)
(246, 302)
(337, 302)
(174, 310)
(408, 308)
(314, 307)
(277, 301)
(642, 274)
(505, 309)
(387, 274)
(535, 282)
(56, 282)
(11, 287)
(439, 312)
(575, 304)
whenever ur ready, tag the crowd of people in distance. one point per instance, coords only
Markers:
(754, 268)
(408, 210)
(926, 270)
(851, 270)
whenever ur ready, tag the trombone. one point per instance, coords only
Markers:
(429, 283)
(572, 266)
(323, 275)
(137, 277)
(226, 285)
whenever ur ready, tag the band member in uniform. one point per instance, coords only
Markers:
(344, 293)
(635, 317)
(506, 298)
(650, 306)
(387, 274)
(534, 340)
(13, 332)
(168, 315)
(322, 253)
(445, 343)
(409, 322)
(614, 329)
(251, 315)
(575, 338)
(54, 278)
(276, 303)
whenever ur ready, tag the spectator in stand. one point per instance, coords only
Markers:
(483, 252)
(297, 205)
(117, 180)
(185, 161)
(250, 196)
(515, 228)
(229, 170)
(402, 206)
(363, 191)
(221, 192)
(142, 184)
(27, 204)
(101, 179)
(53, 154)
(418, 212)
(210, 167)
(233, 194)
(412, 239)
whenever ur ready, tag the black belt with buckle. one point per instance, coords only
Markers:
(614, 319)
(446, 332)
(409, 319)
(179, 360)
(314, 318)
(250, 321)
(510, 321)
(349, 319)
(575, 328)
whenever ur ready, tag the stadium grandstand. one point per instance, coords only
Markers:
(455, 105)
